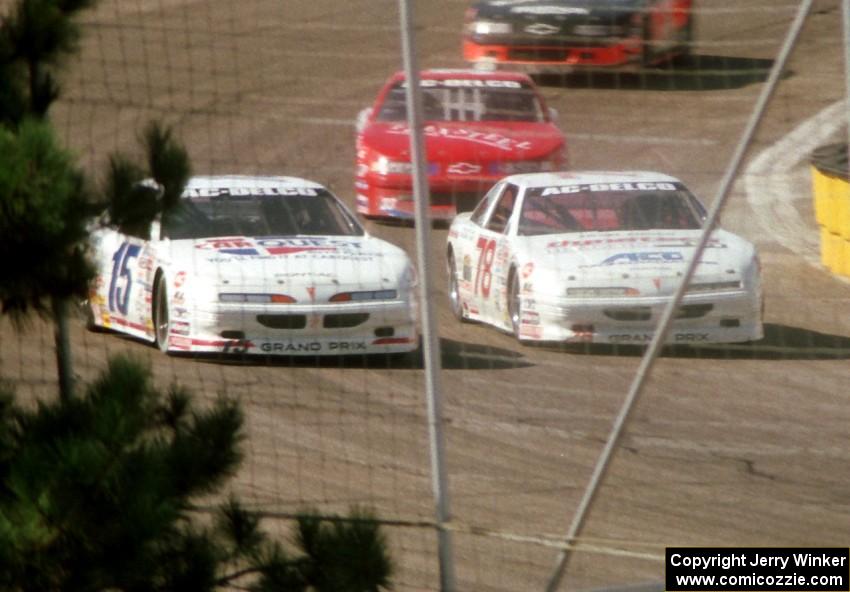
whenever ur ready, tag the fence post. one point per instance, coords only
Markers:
(845, 5)
(430, 337)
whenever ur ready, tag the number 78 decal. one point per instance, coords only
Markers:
(119, 296)
(483, 273)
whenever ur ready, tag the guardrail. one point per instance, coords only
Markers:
(831, 189)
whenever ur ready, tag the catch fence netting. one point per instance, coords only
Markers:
(732, 444)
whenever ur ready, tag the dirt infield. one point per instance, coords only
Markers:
(730, 446)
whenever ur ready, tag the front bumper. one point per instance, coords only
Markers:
(727, 317)
(395, 199)
(546, 58)
(296, 330)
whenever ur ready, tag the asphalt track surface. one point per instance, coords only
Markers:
(730, 446)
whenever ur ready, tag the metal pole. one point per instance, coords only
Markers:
(62, 343)
(845, 6)
(430, 337)
(602, 464)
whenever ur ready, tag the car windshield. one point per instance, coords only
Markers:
(466, 100)
(605, 207)
(206, 213)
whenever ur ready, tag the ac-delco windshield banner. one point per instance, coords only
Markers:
(604, 187)
(757, 568)
(468, 83)
(206, 192)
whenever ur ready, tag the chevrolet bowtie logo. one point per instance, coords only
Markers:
(464, 168)
(541, 29)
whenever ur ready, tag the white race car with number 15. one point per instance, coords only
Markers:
(257, 265)
(594, 257)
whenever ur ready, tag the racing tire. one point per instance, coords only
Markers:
(454, 291)
(161, 315)
(687, 41)
(647, 51)
(684, 51)
(514, 302)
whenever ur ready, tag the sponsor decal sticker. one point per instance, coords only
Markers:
(201, 192)
(631, 338)
(237, 346)
(645, 257)
(647, 337)
(690, 337)
(652, 241)
(180, 342)
(595, 187)
(545, 10)
(247, 247)
(467, 83)
(493, 140)
(313, 347)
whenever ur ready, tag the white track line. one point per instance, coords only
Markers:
(770, 180)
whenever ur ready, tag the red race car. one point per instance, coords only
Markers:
(479, 127)
(547, 35)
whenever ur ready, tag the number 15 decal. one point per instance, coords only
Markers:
(484, 274)
(119, 295)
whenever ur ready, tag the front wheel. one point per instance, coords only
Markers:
(454, 291)
(647, 51)
(514, 302)
(161, 316)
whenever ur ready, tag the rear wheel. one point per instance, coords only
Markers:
(514, 302)
(454, 291)
(647, 57)
(161, 315)
(686, 42)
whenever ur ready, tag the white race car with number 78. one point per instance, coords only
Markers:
(256, 265)
(594, 257)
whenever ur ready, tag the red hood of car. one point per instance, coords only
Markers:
(449, 141)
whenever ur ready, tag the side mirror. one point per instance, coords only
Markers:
(363, 118)
(553, 115)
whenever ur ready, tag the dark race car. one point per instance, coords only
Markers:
(546, 35)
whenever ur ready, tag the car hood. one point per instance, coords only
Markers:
(651, 261)
(447, 142)
(560, 9)
(325, 264)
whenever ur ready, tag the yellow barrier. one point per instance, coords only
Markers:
(831, 190)
(843, 263)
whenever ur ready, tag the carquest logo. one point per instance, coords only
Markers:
(272, 245)
(637, 258)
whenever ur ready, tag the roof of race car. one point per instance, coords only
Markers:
(249, 182)
(465, 74)
(589, 177)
